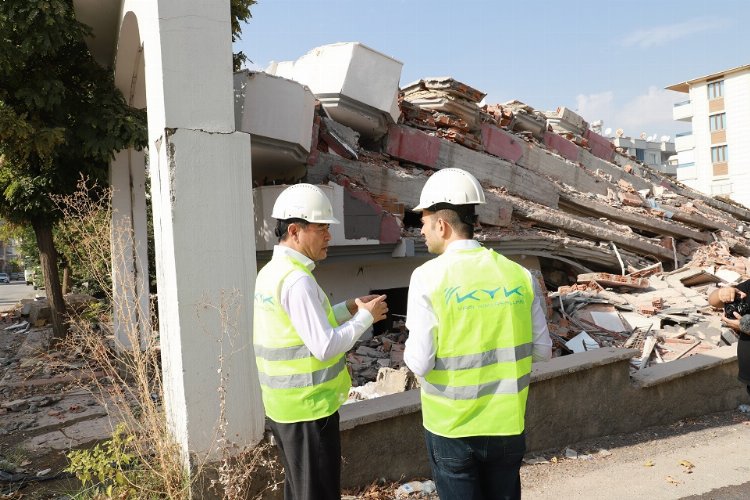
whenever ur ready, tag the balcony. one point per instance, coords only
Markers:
(684, 141)
(686, 171)
(682, 111)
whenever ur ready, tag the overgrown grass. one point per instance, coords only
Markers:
(142, 459)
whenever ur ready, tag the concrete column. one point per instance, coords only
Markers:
(129, 235)
(206, 272)
(203, 222)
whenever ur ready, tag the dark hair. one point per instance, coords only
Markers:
(461, 218)
(282, 227)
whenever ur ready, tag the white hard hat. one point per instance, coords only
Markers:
(450, 185)
(304, 201)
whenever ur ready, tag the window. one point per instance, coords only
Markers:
(719, 154)
(716, 89)
(717, 122)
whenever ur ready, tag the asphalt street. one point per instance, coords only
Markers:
(11, 293)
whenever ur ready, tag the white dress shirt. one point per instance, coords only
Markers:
(419, 353)
(303, 300)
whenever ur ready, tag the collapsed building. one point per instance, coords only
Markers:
(627, 254)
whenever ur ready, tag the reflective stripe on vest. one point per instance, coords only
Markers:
(296, 386)
(486, 358)
(303, 379)
(479, 384)
(282, 353)
(504, 386)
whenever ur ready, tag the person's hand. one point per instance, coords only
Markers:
(375, 304)
(351, 304)
(734, 324)
(728, 294)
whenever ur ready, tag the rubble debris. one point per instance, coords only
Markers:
(630, 255)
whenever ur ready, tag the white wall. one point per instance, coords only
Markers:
(737, 104)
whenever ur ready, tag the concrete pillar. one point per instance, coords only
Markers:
(129, 238)
(203, 218)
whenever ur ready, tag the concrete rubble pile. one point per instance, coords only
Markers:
(560, 200)
(665, 314)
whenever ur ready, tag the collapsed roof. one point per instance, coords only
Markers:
(555, 189)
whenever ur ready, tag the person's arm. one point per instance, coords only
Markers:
(302, 299)
(421, 321)
(542, 343)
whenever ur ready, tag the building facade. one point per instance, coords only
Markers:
(715, 156)
(654, 153)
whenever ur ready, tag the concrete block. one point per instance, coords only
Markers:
(600, 146)
(357, 85)
(278, 113)
(413, 145)
(39, 310)
(500, 143)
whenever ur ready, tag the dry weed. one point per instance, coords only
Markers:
(132, 387)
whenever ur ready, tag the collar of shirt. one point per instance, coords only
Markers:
(285, 251)
(462, 245)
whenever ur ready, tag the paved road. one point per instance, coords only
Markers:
(11, 293)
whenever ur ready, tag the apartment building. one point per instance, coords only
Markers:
(656, 153)
(715, 156)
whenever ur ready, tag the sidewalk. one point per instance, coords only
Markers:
(707, 457)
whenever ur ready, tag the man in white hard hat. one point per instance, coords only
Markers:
(300, 341)
(476, 322)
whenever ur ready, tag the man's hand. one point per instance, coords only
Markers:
(375, 304)
(729, 293)
(351, 304)
(734, 324)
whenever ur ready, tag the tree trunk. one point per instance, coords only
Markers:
(48, 260)
(66, 281)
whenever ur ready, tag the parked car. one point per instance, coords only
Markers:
(17, 276)
(4, 278)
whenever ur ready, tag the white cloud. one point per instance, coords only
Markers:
(655, 106)
(659, 35)
(650, 112)
(596, 106)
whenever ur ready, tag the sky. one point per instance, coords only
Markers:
(608, 60)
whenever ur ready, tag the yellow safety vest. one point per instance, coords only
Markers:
(480, 381)
(296, 386)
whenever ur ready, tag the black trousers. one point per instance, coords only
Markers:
(311, 454)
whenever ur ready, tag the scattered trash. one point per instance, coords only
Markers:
(672, 480)
(20, 327)
(535, 461)
(571, 453)
(43, 472)
(649, 463)
(744, 408)
(406, 489)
